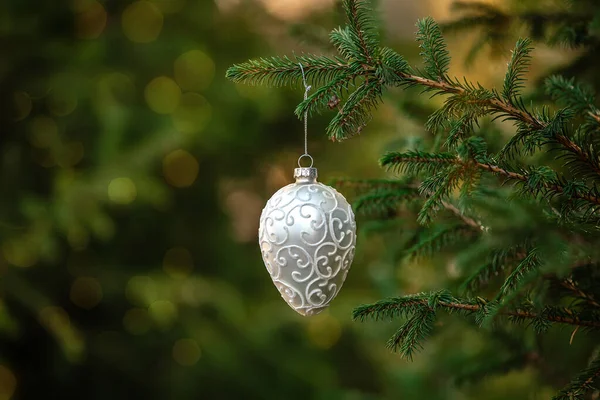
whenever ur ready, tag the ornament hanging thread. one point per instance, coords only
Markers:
(307, 237)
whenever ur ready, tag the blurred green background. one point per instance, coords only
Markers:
(133, 175)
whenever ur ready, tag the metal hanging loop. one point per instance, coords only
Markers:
(306, 90)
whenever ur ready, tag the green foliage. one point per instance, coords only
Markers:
(435, 54)
(581, 384)
(517, 67)
(528, 205)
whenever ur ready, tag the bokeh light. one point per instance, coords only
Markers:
(54, 318)
(78, 236)
(122, 190)
(162, 95)
(186, 352)
(86, 292)
(169, 6)
(141, 290)
(20, 252)
(193, 113)
(62, 100)
(178, 262)
(142, 22)
(113, 89)
(69, 154)
(90, 19)
(22, 105)
(180, 168)
(137, 321)
(43, 132)
(323, 330)
(163, 312)
(194, 70)
(8, 383)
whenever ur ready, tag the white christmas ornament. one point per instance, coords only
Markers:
(307, 236)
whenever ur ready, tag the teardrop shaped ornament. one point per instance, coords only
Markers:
(307, 237)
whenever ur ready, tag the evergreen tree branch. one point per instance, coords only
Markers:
(409, 305)
(434, 51)
(416, 162)
(582, 383)
(517, 66)
(467, 220)
(499, 105)
(282, 71)
(361, 23)
(572, 287)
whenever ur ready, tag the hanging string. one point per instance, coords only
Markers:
(306, 89)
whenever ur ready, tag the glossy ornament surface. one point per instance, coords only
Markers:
(307, 237)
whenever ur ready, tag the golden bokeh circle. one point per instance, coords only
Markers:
(162, 95)
(180, 168)
(43, 132)
(90, 20)
(194, 70)
(142, 22)
(163, 312)
(186, 352)
(169, 6)
(61, 101)
(8, 383)
(137, 321)
(122, 190)
(324, 331)
(22, 105)
(20, 253)
(86, 292)
(193, 113)
(69, 154)
(141, 290)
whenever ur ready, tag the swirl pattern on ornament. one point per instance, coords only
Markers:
(307, 237)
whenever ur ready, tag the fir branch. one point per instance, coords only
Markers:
(553, 187)
(576, 96)
(582, 383)
(282, 71)
(355, 114)
(319, 100)
(517, 67)
(407, 340)
(528, 265)
(360, 20)
(573, 288)
(409, 305)
(499, 260)
(438, 240)
(382, 202)
(467, 220)
(434, 50)
(415, 162)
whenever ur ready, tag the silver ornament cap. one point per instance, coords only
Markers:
(307, 236)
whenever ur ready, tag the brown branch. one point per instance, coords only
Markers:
(467, 220)
(595, 116)
(588, 382)
(572, 286)
(523, 314)
(508, 108)
(520, 177)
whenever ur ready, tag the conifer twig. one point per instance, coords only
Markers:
(394, 159)
(398, 306)
(572, 286)
(467, 220)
